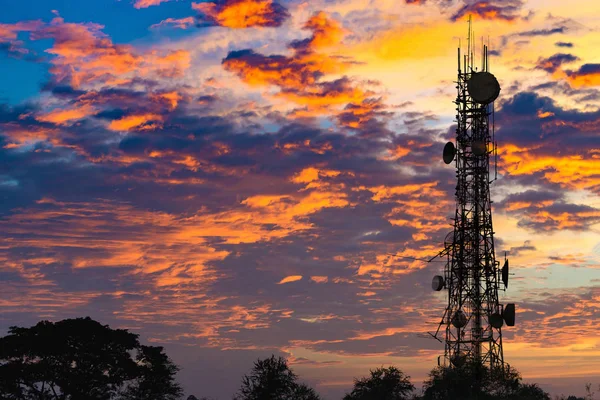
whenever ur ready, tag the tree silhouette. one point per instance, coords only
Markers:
(303, 392)
(475, 381)
(272, 379)
(531, 392)
(383, 384)
(157, 378)
(79, 358)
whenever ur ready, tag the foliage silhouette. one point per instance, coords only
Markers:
(476, 381)
(272, 379)
(531, 391)
(80, 359)
(383, 384)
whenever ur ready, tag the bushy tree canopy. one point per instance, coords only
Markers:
(476, 381)
(272, 379)
(383, 384)
(81, 359)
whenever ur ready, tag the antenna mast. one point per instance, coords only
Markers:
(473, 317)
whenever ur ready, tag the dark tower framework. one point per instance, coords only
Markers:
(474, 317)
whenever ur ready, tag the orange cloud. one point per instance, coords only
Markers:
(357, 115)
(572, 171)
(327, 32)
(62, 116)
(524, 205)
(20, 136)
(563, 316)
(135, 121)
(291, 147)
(140, 243)
(544, 114)
(587, 75)
(319, 279)
(303, 69)
(85, 55)
(311, 174)
(324, 95)
(292, 278)
(147, 3)
(242, 13)
(299, 76)
(170, 98)
(170, 65)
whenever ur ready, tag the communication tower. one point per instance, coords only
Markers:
(473, 318)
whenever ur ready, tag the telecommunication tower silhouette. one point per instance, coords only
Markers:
(473, 318)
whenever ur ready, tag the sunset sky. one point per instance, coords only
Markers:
(236, 178)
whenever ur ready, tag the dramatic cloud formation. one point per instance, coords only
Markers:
(524, 154)
(506, 10)
(587, 75)
(552, 63)
(233, 193)
(84, 55)
(300, 76)
(548, 211)
(242, 13)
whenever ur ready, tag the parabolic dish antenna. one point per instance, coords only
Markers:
(449, 240)
(483, 87)
(438, 283)
(496, 320)
(505, 274)
(449, 152)
(509, 314)
(459, 319)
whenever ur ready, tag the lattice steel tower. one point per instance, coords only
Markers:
(473, 318)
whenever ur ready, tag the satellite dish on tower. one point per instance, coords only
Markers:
(505, 274)
(509, 314)
(483, 87)
(496, 320)
(449, 240)
(438, 283)
(459, 320)
(449, 152)
(458, 360)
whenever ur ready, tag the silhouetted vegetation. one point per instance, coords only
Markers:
(589, 394)
(272, 379)
(383, 384)
(80, 359)
(476, 381)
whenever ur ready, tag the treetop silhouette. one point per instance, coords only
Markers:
(81, 359)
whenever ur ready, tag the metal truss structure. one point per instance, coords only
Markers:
(473, 318)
